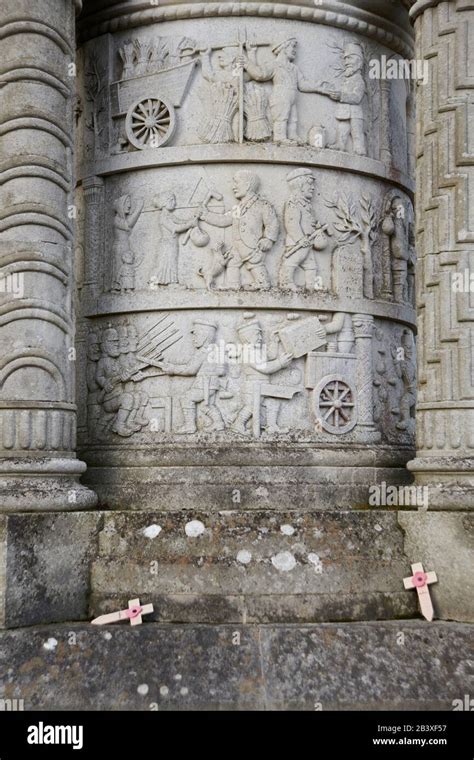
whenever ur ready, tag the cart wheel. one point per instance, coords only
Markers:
(150, 123)
(335, 405)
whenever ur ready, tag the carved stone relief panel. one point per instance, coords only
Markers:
(294, 84)
(227, 228)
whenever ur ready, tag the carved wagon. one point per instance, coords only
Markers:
(148, 104)
(332, 378)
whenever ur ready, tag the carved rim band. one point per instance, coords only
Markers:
(343, 16)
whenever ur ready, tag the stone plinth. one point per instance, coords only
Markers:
(361, 666)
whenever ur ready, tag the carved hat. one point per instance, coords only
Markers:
(300, 172)
(205, 323)
(249, 320)
(282, 45)
(353, 48)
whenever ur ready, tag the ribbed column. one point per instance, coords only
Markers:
(445, 230)
(38, 468)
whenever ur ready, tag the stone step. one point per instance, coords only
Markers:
(351, 666)
(253, 566)
(233, 566)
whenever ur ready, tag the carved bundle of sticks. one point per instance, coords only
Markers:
(256, 104)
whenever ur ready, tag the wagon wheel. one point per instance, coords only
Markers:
(335, 405)
(150, 123)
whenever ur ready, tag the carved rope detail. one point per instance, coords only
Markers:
(342, 17)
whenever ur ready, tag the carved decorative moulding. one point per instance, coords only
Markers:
(247, 290)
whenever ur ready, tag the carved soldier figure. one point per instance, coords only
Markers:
(304, 235)
(398, 225)
(350, 112)
(255, 373)
(95, 392)
(111, 376)
(287, 82)
(255, 228)
(124, 262)
(132, 369)
(208, 382)
(406, 370)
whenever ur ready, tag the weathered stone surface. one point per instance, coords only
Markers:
(253, 566)
(445, 409)
(444, 542)
(362, 666)
(248, 254)
(45, 564)
(38, 468)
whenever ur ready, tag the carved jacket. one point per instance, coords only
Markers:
(352, 94)
(252, 220)
(299, 220)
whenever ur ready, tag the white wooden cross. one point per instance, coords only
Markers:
(421, 580)
(133, 613)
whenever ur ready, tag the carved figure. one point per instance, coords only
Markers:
(95, 392)
(287, 81)
(256, 390)
(350, 95)
(255, 229)
(170, 226)
(222, 97)
(304, 236)
(125, 219)
(398, 226)
(111, 376)
(209, 381)
(406, 370)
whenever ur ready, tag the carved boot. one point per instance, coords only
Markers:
(261, 280)
(189, 426)
(214, 415)
(240, 422)
(121, 426)
(287, 278)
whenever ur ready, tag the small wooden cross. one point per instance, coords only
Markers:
(133, 613)
(420, 580)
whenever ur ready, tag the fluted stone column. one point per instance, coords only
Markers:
(445, 244)
(38, 467)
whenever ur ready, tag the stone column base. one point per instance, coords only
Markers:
(43, 485)
(450, 480)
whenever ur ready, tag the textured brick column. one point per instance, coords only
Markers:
(38, 468)
(445, 232)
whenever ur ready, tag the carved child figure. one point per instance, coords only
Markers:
(304, 236)
(255, 228)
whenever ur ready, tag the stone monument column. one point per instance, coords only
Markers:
(256, 198)
(38, 467)
(445, 246)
